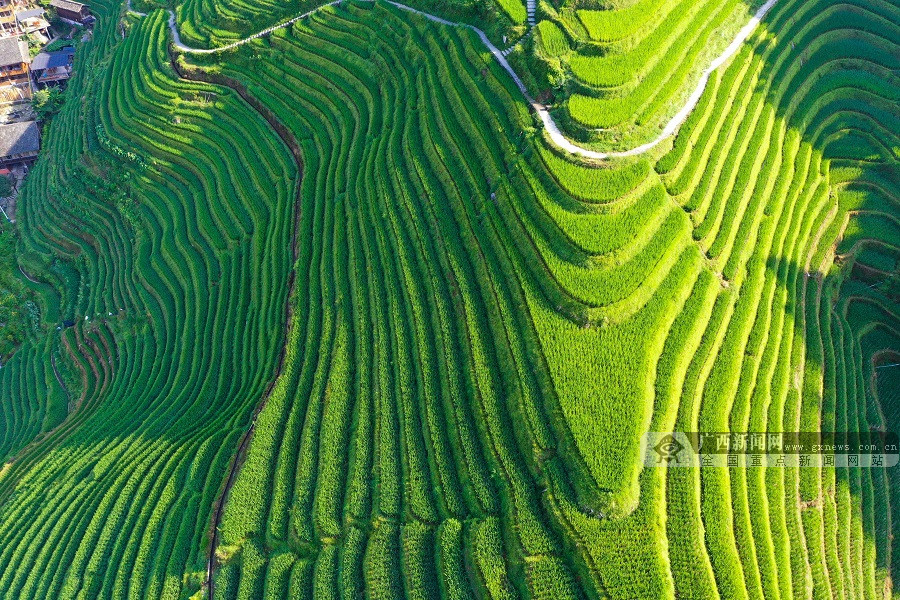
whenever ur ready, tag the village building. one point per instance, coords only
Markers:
(34, 22)
(74, 12)
(19, 143)
(14, 60)
(15, 80)
(51, 68)
(8, 25)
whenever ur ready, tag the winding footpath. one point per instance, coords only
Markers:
(27, 276)
(553, 131)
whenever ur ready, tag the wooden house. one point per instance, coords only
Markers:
(74, 12)
(8, 18)
(14, 60)
(52, 67)
(33, 21)
(19, 143)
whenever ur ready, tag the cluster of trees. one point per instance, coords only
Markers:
(47, 102)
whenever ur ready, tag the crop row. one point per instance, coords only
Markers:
(157, 268)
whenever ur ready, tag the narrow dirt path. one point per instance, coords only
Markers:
(553, 131)
(27, 276)
(61, 383)
(185, 48)
(294, 146)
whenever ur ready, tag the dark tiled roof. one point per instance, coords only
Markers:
(67, 5)
(11, 52)
(19, 138)
(48, 60)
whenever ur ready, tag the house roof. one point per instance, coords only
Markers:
(19, 138)
(29, 14)
(48, 60)
(13, 51)
(67, 5)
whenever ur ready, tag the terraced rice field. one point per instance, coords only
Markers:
(216, 23)
(618, 71)
(337, 320)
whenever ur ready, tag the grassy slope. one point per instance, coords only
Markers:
(480, 331)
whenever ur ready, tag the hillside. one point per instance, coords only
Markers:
(328, 314)
(616, 73)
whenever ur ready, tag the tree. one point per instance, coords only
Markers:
(6, 187)
(34, 44)
(47, 102)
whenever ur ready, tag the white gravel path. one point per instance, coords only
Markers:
(543, 112)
